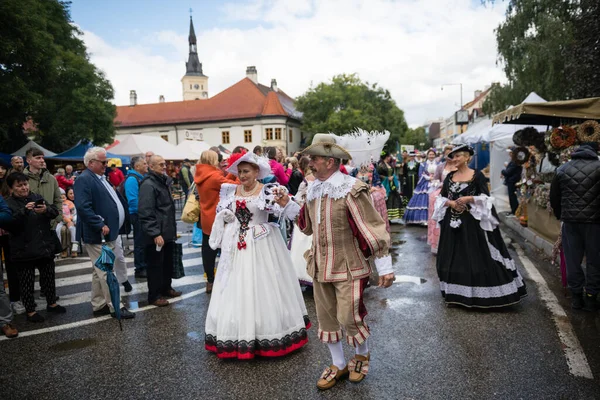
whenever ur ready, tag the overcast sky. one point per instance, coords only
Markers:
(410, 47)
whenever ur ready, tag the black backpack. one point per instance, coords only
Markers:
(121, 187)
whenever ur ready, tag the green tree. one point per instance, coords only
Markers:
(346, 103)
(550, 47)
(416, 137)
(46, 75)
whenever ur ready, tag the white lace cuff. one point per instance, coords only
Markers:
(291, 210)
(481, 210)
(384, 265)
(218, 228)
(439, 209)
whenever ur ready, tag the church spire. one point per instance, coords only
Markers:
(193, 66)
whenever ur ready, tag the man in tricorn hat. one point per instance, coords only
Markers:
(348, 233)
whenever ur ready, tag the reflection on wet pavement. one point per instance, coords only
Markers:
(195, 336)
(73, 344)
(410, 279)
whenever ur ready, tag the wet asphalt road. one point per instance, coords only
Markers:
(420, 349)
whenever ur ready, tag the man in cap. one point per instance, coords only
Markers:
(348, 233)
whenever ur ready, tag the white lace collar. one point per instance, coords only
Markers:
(336, 187)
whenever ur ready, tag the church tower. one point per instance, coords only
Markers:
(194, 82)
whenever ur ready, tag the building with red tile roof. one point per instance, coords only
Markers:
(245, 114)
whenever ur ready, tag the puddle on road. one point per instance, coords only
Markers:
(76, 344)
(196, 336)
(134, 305)
(395, 304)
(410, 279)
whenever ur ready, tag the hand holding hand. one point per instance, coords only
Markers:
(385, 281)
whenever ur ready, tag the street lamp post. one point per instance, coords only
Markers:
(461, 91)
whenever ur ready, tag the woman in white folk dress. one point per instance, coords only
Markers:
(257, 308)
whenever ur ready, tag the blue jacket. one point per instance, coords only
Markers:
(132, 190)
(95, 208)
(5, 213)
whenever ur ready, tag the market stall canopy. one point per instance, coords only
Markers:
(194, 146)
(551, 113)
(77, 152)
(135, 145)
(476, 133)
(31, 144)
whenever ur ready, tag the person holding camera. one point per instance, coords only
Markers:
(32, 244)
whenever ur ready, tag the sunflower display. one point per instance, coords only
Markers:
(563, 137)
(589, 131)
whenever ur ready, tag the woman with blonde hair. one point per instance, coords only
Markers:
(473, 264)
(208, 179)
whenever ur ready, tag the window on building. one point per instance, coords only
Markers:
(277, 133)
(269, 133)
(225, 137)
(248, 136)
(291, 136)
(165, 137)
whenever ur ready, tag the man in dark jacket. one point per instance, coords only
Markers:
(156, 212)
(575, 199)
(100, 215)
(512, 175)
(6, 326)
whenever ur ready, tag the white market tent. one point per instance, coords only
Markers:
(476, 133)
(194, 146)
(31, 144)
(135, 145)
(500, 136)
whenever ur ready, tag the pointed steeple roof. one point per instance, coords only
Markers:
(193, 66)
(192, 36)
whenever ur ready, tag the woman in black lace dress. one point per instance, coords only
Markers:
(473, 264)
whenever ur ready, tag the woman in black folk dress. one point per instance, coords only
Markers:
(473, 264)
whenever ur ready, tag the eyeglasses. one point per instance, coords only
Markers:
(102, 162)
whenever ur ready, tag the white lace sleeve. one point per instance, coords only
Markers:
(481, 210)
(439, 209)
(226, 196)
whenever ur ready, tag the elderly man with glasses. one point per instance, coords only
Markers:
(101, 211)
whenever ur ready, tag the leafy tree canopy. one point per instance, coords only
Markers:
(347, 103)
(550, 47)
(46, 75)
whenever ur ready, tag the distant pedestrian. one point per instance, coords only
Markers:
(63, 181)
(18, 165)
(115, 176)
(575, 199)
(32, 244)
(185, 176)
(6, 325)
(512, 175)
(69, 172)
(296, 178)
(148, 155)
(156, 211)
(100, 215)
(132, 191)
(258, 150)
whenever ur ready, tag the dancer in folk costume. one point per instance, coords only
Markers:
(347, 233)
(256, 308)
(433, 231)
(473, 264)
(391, 185)
(417, 208)
(411, 174)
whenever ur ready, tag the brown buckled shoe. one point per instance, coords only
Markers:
(10, 331)
(331, 376)
(173, 293)
(161, 303)
(359, 368)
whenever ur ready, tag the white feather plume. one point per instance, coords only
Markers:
(364, 147)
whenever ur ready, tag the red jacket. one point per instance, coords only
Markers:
(63, 182)
(116, 177)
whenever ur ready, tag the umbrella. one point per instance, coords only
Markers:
(106, 262)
